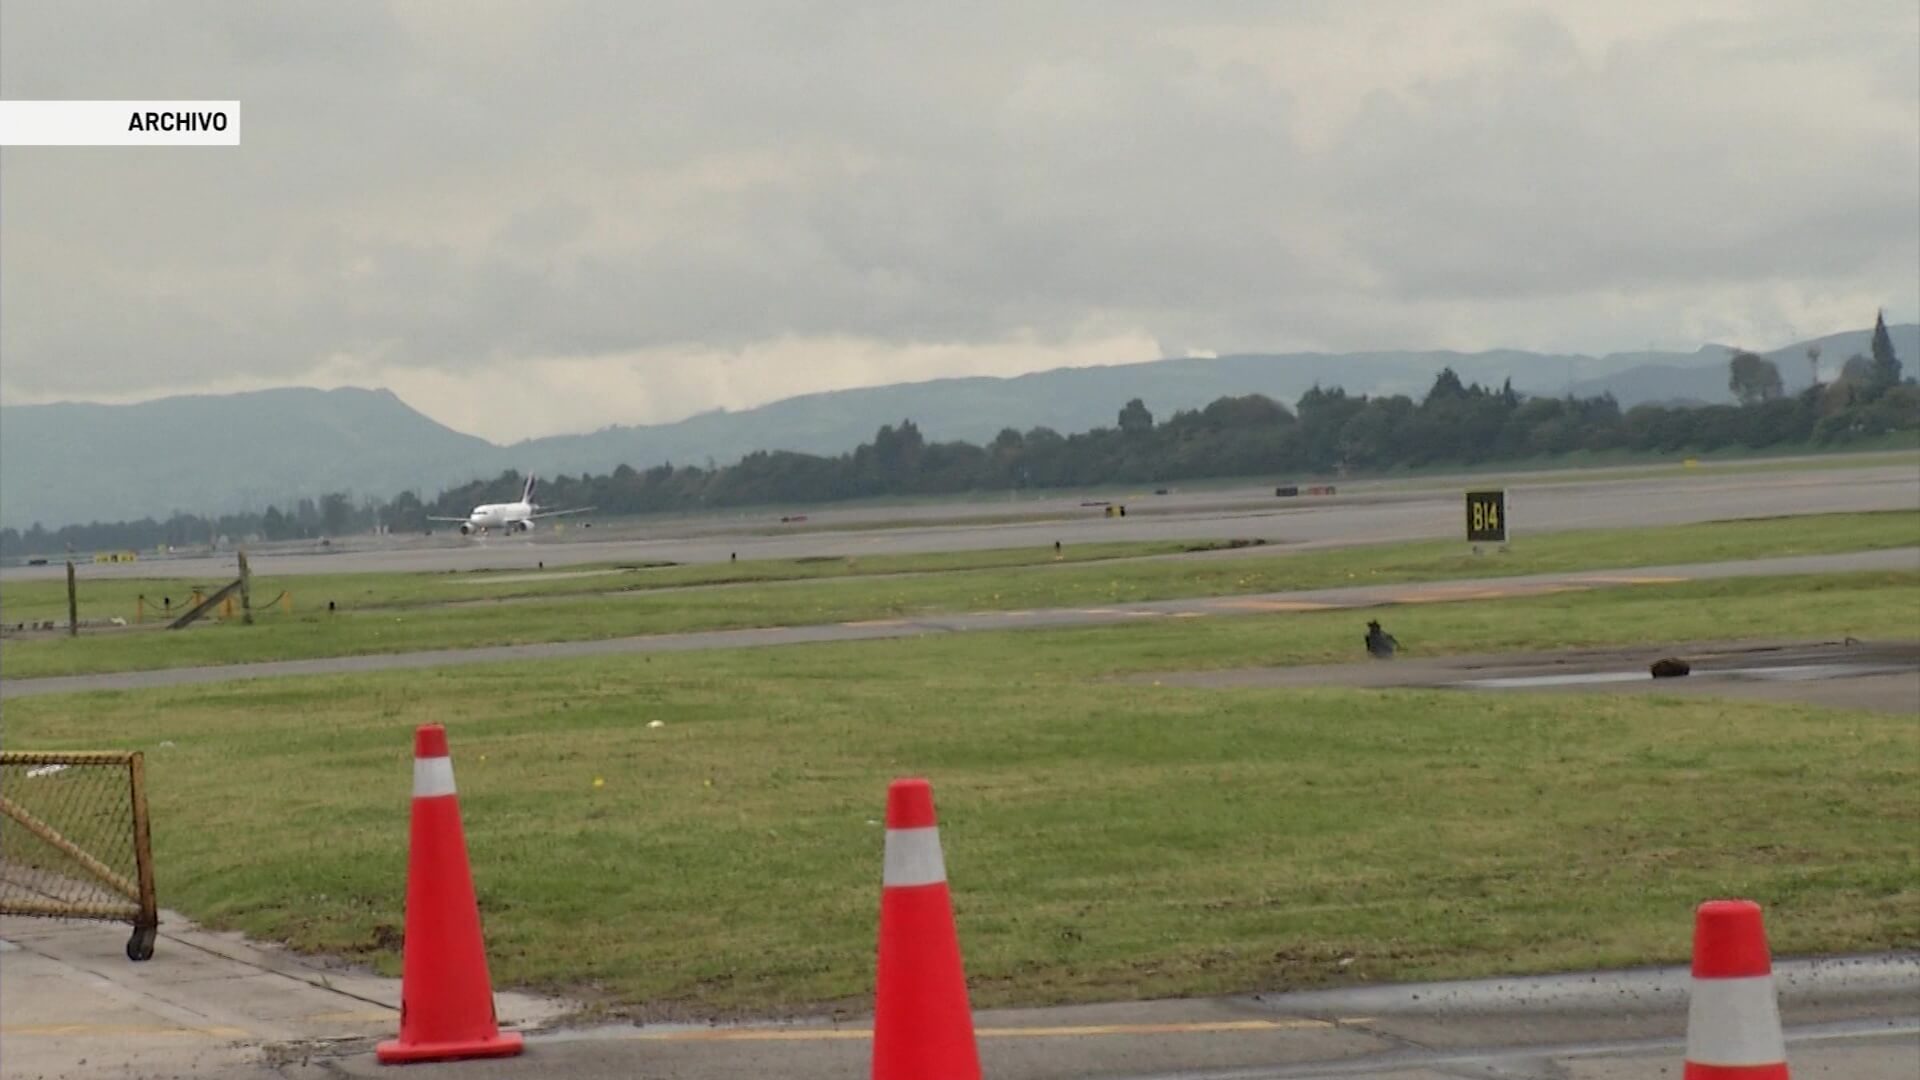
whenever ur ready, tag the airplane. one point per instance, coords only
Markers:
(513, 516)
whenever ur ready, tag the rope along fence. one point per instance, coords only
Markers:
(74, 842)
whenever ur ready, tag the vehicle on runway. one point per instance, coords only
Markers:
(511, 517)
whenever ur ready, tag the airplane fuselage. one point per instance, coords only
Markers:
(510, 516)
(516, 516)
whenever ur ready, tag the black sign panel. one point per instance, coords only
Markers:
(1487, 517)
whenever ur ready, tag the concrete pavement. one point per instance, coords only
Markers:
(1359, 596)
(72, 1006)
(215, 1006)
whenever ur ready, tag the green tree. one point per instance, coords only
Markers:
(1446, 387)
(1135, 419)
(1753, 379)
(405, 513)
(336, 511)
(1884, 375)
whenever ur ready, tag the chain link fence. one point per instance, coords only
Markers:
(74, 841)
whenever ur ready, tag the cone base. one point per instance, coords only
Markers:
(505, 1044)
(1697, 1071)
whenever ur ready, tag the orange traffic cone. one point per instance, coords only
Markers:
(1733, 1019)
(922, 1024)
(446, 1000)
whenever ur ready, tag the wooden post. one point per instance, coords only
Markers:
(140, 609)
(246, 591)
(147, 925)
(73, 603)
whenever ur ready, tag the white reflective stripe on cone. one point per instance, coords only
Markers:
(432, 776)
(913, 857)
(1734, 1022)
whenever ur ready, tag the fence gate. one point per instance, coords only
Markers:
(74, 842)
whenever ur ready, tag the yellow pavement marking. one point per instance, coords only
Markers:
(108, 1031)
(1508, 592)
(1189, 614)
(353, 1017)
(1202, 1027)
(1423, 598)
(1276, 605)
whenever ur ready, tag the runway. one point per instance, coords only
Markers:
(1361, 515)
(1362, 596)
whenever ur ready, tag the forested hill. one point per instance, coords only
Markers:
(1326, 429)
(211, 455)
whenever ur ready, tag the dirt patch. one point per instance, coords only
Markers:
(1849, 674)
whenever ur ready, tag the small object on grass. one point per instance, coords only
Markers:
(1670, 668)
(656, 723)
(1380, 644)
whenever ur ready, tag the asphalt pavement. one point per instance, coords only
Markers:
(1848, 674)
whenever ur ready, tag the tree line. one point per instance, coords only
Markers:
(1327, 431)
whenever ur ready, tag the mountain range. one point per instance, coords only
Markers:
(75, 462)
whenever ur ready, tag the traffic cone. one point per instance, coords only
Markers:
(1733, 1019)
(922, 1023)
(446, 999)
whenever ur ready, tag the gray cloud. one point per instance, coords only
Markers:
(446, 192)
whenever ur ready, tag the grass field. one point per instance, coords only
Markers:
(391, 626)
(1104, 840)
(102, 599)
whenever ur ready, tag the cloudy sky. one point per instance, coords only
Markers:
(551, 216)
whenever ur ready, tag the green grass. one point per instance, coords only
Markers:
(1104, 840)
(106, 598)
(389, 628)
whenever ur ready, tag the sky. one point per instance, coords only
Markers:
(548, 217)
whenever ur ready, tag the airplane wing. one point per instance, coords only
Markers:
(557, 513)
(430, 517)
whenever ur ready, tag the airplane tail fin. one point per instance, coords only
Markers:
(526, 493)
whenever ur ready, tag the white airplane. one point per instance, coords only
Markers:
(513, 516)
